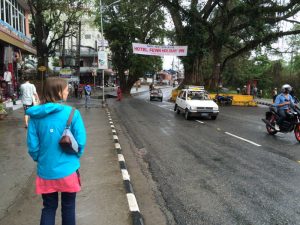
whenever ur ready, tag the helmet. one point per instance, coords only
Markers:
(286, 87)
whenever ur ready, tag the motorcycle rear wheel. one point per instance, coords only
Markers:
(297, 132)
(272, 121)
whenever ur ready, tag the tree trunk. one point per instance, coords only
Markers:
(41, 46)
(216, 79)
(192, 72)
(124, 82)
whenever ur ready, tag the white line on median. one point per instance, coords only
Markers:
(125, 174)
(133, 206)
(243, 139)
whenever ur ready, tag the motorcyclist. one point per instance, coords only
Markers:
(283, 102)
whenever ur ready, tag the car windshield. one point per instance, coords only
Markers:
(197, 95)
(156, 91)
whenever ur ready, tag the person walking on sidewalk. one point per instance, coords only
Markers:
(87, 93)
(29, 97)
(57, 171)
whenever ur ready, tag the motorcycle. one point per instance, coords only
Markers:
(290, 124)
(223, 100)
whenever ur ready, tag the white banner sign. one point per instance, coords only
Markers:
(159, 50)
(102, 43)
(102, 60)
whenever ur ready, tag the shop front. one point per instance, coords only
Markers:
(15, 43)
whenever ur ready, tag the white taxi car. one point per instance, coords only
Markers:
(195, 101)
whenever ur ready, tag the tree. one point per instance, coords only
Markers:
(128, 22)
(226, 29)
(48, 18)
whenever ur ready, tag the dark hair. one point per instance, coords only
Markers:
(53, 88)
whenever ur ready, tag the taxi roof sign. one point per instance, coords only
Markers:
(194, 88)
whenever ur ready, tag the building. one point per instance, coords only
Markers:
(88, 72)
(15, 40)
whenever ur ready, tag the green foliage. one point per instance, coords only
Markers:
(224, 30)
(55, 62)
(48, 17)
(2, 108)
(127, 22)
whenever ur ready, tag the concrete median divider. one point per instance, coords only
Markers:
(237, 99)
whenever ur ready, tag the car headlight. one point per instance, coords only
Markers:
(215, 108)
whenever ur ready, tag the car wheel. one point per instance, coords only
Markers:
(161, 99)
(213, 117)
(187, 114)
(150, 99)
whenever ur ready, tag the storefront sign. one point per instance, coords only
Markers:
(65, 73)
(42, 68)
(158, 50)
(102, 60)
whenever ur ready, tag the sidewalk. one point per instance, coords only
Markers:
(102, 199)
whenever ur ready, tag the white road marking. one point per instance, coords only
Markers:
(199, 121)
(164, 131)
(243, 139)
(117, 146)
(133, 206)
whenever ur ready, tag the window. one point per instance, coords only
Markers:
(88, 36)
(21, 23)
(7, 12)
(2, 14)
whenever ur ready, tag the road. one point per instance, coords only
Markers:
(228, 171)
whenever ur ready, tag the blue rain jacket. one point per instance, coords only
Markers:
(46, 125)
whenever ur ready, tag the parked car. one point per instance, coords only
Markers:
(156, 94)
(195, 101)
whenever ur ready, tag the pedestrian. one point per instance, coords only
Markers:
(87, 94)
(80, 90)
(274, 94)
(8, 80)
(136, 87)
(29, 97)
(57, 171)
(254, 92)
(76, 89)
(119, 94)
(244, 90)
(260, 93)
(238, 90)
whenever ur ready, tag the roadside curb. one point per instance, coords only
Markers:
(137, 218)
(264, 103)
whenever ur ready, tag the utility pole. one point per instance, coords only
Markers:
(63, 47)
(78, 50)
(102, 43)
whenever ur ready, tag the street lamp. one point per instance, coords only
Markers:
(102, 43)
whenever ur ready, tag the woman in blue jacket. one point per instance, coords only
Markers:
(57, 171)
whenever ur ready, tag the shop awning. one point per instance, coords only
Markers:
(18, 43)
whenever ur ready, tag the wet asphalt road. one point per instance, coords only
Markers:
(206, 173)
